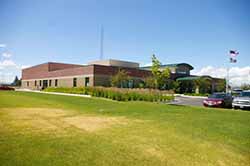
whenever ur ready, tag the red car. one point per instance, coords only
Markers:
(6, 88)
(219, 100)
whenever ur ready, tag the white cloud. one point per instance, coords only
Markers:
(237, 75)
(25, 66)
(147, 64)
(8, 70)
(6, 55)
(8, 63)
(2, 45)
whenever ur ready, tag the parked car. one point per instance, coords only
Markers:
(2, 87)
(222, 100)
(236, 92)
(242, 101)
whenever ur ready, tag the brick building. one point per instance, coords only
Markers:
(96, 73)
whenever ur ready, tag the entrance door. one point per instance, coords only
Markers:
(45, 84)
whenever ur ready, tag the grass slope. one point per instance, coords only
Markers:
(34, 130)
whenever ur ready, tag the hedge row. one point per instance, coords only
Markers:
(118, 93)
(197, 94)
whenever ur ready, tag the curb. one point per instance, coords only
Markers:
(194, 97)
(53, 93)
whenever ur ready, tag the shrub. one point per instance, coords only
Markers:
(196, 94)
(119, 94)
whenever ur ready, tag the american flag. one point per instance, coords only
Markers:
(232, 60)
(233, 53)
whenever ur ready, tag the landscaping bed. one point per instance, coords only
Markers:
(119, 94)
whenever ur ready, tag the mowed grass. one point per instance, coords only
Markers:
(43, 129)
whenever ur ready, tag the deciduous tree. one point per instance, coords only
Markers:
(121, 79)
(160, 76)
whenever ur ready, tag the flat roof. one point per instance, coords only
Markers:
(174, 65)
(114, 62)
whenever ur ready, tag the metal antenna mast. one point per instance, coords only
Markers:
(101, 43)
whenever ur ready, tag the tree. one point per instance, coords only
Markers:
(150, 82)
(160, 77)
(245, 87)
(201, 85)
(172, 85)
(205, 86)
(16, 82)
(221, 86)
(121, 79)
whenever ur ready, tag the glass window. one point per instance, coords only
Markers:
(74, 82)
(50, 81)
(28, 83)
(217, 95)
(245, 94)
(87, 81)
(40, 83)
(35, 83)
(56, 82)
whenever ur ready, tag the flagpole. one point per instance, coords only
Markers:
(227, 81)
(233, 54)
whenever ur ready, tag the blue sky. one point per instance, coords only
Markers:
(199, 32)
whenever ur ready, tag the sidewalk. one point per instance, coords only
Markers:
(194, 97)
(53, 93)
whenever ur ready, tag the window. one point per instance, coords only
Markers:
(40, 83)
(50, 81)
(181, 72)
(45, 84)
(74, 82)
(28, 83)
(35, 83)
(87, 81)
(245, 94)
(56, 82)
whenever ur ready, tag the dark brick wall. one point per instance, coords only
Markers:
(41, 71)
(59, 66)
(50, 70)
(112, 70)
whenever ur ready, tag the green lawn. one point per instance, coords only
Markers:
(42, 129)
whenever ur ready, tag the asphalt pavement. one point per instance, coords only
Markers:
(180, 100)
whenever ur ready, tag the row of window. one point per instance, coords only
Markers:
(43, 82)
(46, 83)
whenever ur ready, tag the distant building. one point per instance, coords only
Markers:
(97, 73)
(177, 70)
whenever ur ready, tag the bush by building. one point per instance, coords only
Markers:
(119, 94)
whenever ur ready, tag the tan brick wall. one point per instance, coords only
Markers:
(31, 84)
(66, 82)
(61, 82)
(91, 81)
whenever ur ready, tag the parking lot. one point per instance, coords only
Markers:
(191, 101)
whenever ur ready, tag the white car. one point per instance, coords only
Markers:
(242, 101)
